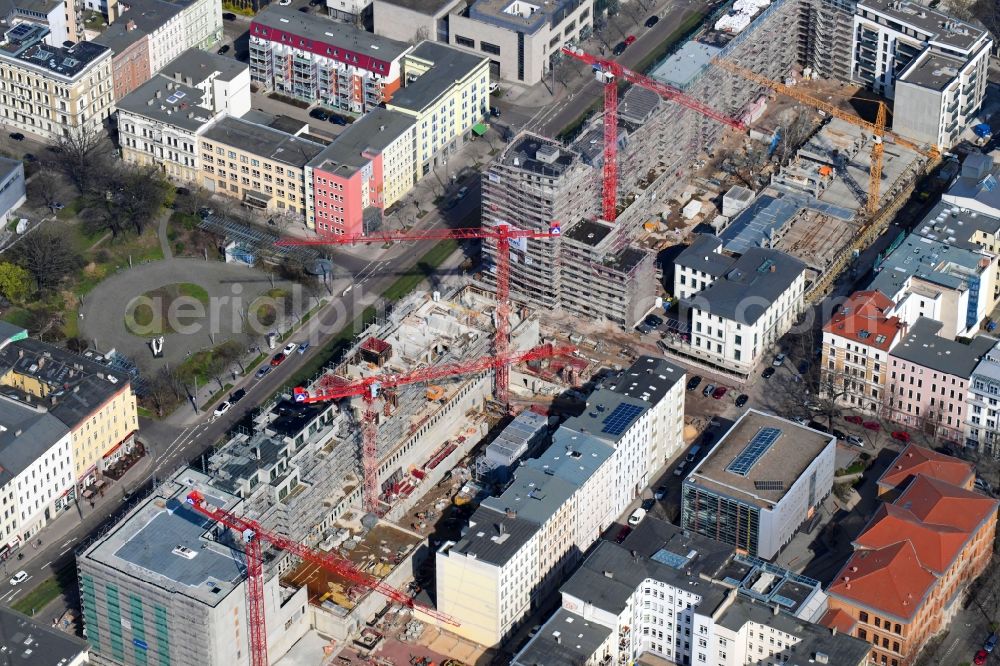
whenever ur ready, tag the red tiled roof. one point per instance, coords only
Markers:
(915, 460)
(936, 546)
(863, 319)
(944, 504)
(839, 620)
(889, 579)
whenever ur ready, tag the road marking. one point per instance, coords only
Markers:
(44, 565)
(63, 552)
(69, 542)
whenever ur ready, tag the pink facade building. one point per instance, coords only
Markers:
(929, 378)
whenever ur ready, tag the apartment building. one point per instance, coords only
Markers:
(13, 192)
(519, 545)
(735, 309)
(159, 123)
(933, 65)
(52, 91)
(261, 167)
(148, 34)
(914, 460)
(762, 480)
(928, 381)
(661, 383)
(938, 280)
(856, 344)
(911, 563)
(38, 480)
(25, 638)
(446, 91)
(519, 38)
(669, 596)
(368, 167)
(165, 586)
(982, 428)
(61, 17)
(975, 190)
(94, 401)
(319, 61)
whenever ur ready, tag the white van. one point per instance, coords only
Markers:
(636, 516)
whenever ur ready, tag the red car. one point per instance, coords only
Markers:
(278, 359)
(871, 425)
(854, 419)
(629, 40)
(719, 392)
(622, 533)
(901, 435)
(981, 658)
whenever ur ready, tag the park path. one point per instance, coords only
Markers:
(161, 233)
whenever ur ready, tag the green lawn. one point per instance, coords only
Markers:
(45, 592)
(199, 366)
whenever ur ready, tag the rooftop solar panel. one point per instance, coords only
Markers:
(616, 422)
(753, 451)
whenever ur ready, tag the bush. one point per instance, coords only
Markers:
(102, 256)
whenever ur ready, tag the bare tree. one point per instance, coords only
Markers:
(793, 135)
(48, 255)
(748, 164)
(164, 389)
(44, 185)
(83, 156)
(127, 199)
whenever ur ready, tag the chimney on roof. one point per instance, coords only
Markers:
(41, 362)
(854, 568)
(775, 609)
(773, 268)
(130, 26)
(511, 513)
(500, 528)
(833, 631)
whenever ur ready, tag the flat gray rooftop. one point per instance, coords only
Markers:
(144, 545)
(566, 639)
(768, 475)
(426, 7)
(932, 70)
(375, 131)
(450, 65)
(923, 346)
(26, 642)
(649, 379)
(959, 35)
(608, 415)
(269, 143)
(935, 261)
(682, 67)
(947, 223)
(494, 536)
(523, 153)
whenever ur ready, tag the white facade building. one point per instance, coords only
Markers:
(983, 411)
(159, 123)
(735, 309)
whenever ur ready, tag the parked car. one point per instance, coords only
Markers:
(991, 642)
(237, 395)
(17, 136)
(901, 436)
(494, 86)
(839, 434)
(779, 360)
(228, 16)
(801, 420)
(652, 20)
(852, 418)
(223, 407)
(319, 114)
(679, 470)
(284, 3)
(742, 399)
(978, 660)
(871, 425)
(816, 425)
(694, 382)
(855, 440)
(653, 320)
(619, 48)
(768, 372)
(338, 119)
(289, 348)
(223, 50)
(693, 453)
(637, 516)
(19, 578)
(263, 370)
(660, 493)
(982, 485)
(303, 346)
(719, 392)
(622, 533)
(278, 359)
(204, 212)
(644, 328)
(708, 390)
(495, 111)
(647, 504)
(630, 40)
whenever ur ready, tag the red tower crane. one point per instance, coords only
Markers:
(609, 73)
(503, 234)
(252, 534)
(332, 388)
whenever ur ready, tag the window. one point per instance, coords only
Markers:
(489, 48)
(465, 41)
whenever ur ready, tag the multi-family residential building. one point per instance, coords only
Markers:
(521, 39)
(163, 586)
(670, 596)
(61, 17)
(975, 190)
(660, 383)
(928, 381)
(933, 65)
(13, 192)
(52, 91)
(914, 460)
(148, 34)
(94, 401)
(938, 280)
(762, 480)
(856, 344)
(369, 166)
(982, 428)
(262, 167)
(26, 639)
(37, 481)
(735, 309)
(320, 61)
(159, 123)
(911, 563)
(519, 545)
(447, 93)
